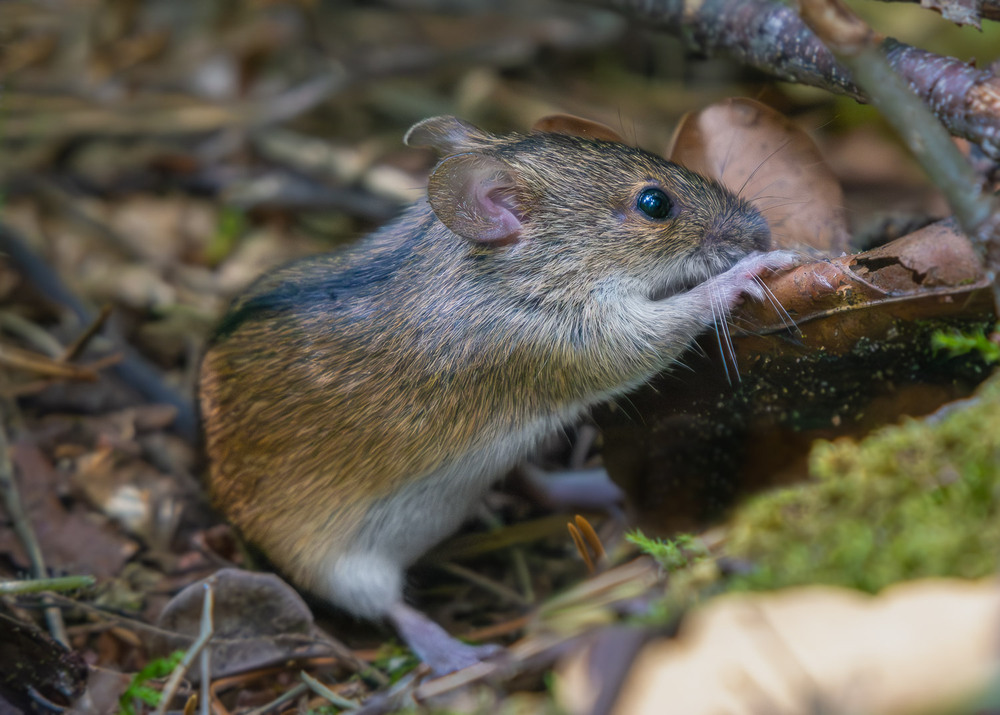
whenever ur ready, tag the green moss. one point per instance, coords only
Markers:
(671, 554)
(138, 693)
(915, 500)
(958, 343)
(395, 660)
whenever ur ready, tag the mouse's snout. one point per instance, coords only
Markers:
(743, 227)
(758, 232)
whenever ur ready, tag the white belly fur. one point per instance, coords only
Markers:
(367, 578)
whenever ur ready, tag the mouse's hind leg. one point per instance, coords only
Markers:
(369, 584)
(365, 576)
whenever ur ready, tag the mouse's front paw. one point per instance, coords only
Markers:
(744, 278)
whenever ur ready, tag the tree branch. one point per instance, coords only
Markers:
(859, 49)
(962, 12)
(770, 36)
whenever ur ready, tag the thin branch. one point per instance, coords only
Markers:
(859, 49)
(962, 12)
(58, 583)
(83, 340)
(770, 35)
(204, 636)
(133, 370)
(22, 527)
(325, 692)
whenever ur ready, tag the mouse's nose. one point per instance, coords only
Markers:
(744, 227)
(758, 231)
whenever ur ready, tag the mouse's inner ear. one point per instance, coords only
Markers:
(449, 135)
(476, 197)
(578, 127)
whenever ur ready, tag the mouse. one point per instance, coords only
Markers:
(357, 405)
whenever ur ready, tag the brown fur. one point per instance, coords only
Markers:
(339, 379)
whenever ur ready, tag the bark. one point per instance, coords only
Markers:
(771, 36)
(962, 12)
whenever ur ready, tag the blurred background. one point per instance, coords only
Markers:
(158, 155)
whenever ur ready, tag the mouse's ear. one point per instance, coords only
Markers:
(449, 135)
(578, 127)
(476, 197)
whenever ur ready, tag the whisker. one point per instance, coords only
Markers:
(763, 188)
(827, 123)
(678, 362)
(718, 335)
(725, 159)
(728, 337)
(780, 205)
(766, 159)
(783, 315)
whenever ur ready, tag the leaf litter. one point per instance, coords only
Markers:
(144, 203)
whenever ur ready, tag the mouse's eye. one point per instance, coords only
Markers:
(654, 203)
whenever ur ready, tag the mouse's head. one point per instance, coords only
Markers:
(584, 207)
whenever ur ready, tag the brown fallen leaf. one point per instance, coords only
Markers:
(767, 158)
(259, 620)
(145, 502)
(69, 537)
(931, 273)
(918, 647)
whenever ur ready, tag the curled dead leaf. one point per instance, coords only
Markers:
(765, 157)
(933, 272)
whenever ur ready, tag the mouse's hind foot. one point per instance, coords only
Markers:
(432, 644)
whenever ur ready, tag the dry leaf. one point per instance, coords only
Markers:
(62, 529)
(762, 155)
(933, 272)
(258, 620)
(918, 647)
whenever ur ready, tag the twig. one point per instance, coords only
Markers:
(60, 583)
(17, 359)
(519, 562)
(123, 621)
(84, 338)
(288, 191)
(133, 369)
(78, 213)
(225, 683)
(25, 532)
(285, 697)
(324, 692)
(961, 13)
(85, 372)
(770, 35)
(497, 589)
(206, 682)
(859, 49)
(204, 636)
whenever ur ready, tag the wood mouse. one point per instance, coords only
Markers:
(357, 405)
